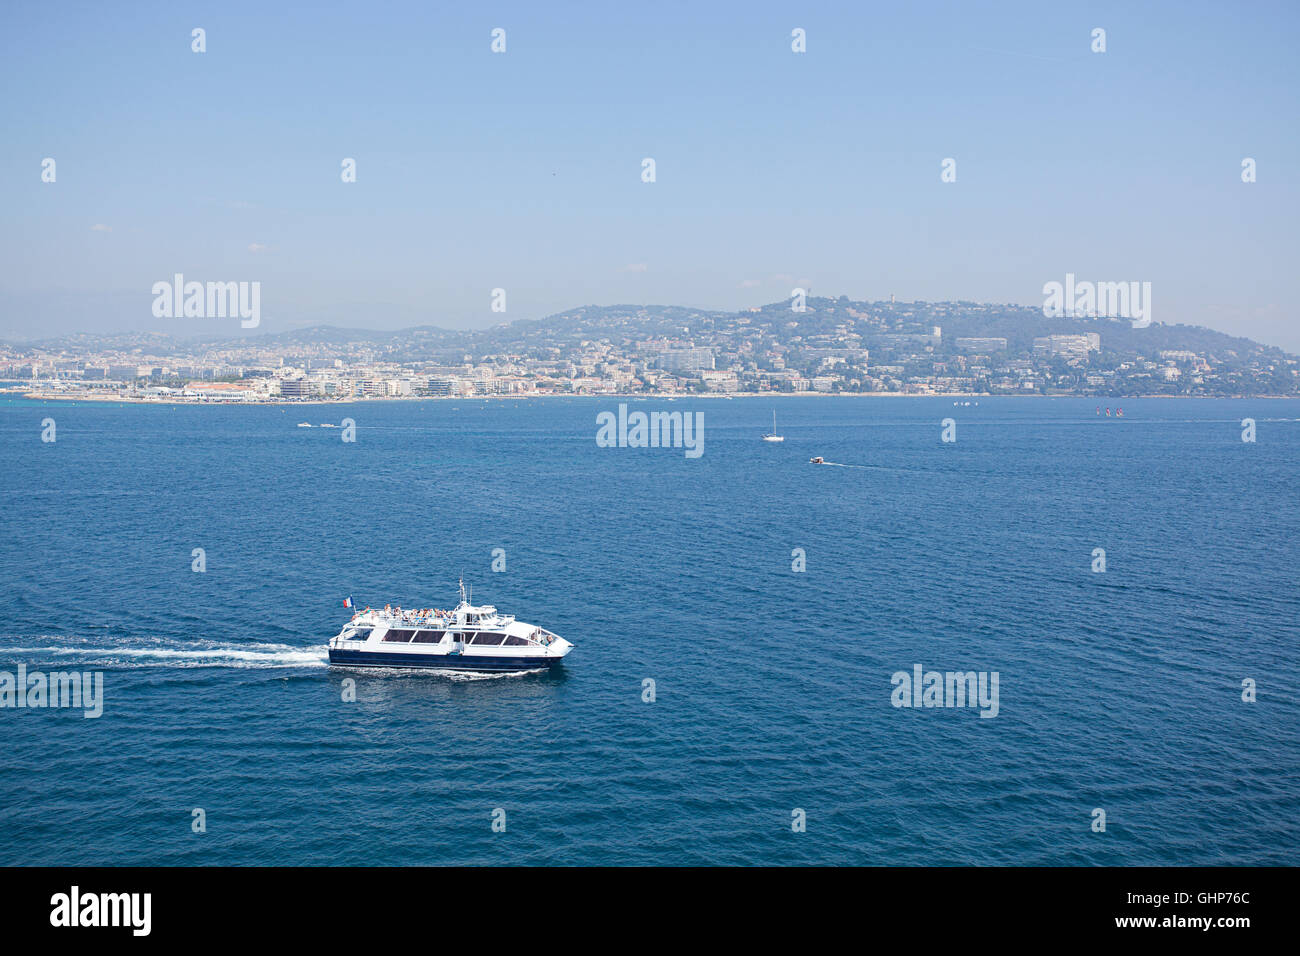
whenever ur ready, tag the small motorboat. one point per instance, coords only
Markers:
(304, 424)
(819, 460)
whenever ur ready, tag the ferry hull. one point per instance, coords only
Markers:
(441, 662)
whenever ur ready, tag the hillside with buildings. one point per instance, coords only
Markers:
(832, 346)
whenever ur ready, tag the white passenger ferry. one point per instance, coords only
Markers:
(468, 638)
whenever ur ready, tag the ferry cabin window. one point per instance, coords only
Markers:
(513, 641)
(427, 637)
(400, 637)
(484, 637)
(360, 634)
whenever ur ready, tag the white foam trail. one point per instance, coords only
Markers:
(489, 675)
(440, 672)
(201, 654)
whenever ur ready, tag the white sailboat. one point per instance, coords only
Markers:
(773, 436)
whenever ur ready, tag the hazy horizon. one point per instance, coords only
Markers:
(522, 170)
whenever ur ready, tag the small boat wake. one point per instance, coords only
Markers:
(837, 464)
(103, 651)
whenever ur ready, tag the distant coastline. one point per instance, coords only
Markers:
(630, 396)
(829, 346)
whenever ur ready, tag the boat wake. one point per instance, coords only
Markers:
(103, 651)
(425, 672)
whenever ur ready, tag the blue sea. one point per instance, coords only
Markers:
(1119, 690)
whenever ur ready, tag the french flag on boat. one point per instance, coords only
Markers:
(347, 602)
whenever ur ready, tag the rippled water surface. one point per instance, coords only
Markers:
(1119, 690)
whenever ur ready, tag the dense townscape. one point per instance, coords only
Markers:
(828, 346)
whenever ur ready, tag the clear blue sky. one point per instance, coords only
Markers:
(522, 170)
